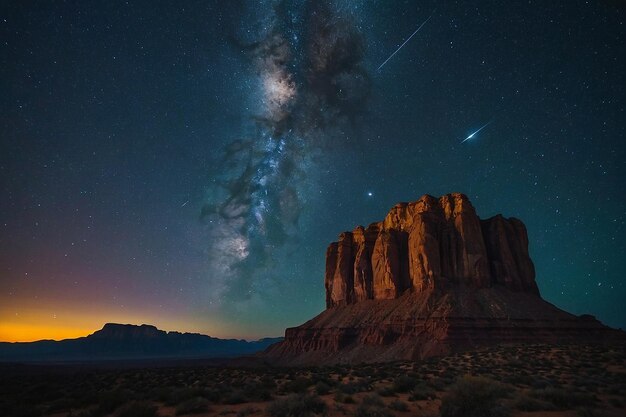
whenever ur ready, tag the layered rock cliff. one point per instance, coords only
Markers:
(430, 243)
(431, 278)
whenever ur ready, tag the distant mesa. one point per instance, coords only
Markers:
(130, 342)
(429, 279)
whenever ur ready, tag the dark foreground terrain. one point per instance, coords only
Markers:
(532, 380)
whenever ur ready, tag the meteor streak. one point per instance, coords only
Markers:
(472, 135)
(405, 42)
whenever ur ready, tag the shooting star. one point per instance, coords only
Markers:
(185, 203)
(405, 42)
(473, 134)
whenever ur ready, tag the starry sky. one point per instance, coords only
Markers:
(185, 164)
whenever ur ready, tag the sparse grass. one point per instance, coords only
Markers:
(404, 383)
(298, 385)
(588, 380)
(474, 396)
(373, 400)
(193, 406)
(562, 399)
(322, 388)
(422, 392)
(297, 405)
(398, 405)
(525, 402)
(137, 409)
(244, 412)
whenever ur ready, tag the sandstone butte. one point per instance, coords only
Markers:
(430, 279)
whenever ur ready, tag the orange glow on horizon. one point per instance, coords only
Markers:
(49, 318)
(15, 332)
(19, 323)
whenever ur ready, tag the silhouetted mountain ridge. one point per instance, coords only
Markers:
(128, 341)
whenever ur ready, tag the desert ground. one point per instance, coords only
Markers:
(517, 381)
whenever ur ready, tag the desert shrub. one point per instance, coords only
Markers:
(298, 385)
(398, 405)
(404, 383)
(474, 397)
(256, 391)
(564, 399)
(340, 397)
(161, 394)
(381, 373)
(372, 405)
(422, 392)
(353, 387)
(192, 406)
(109, 401)
(386, 392)
(525, 402)
(369, 411)
(363, 371)
(373, 400)
(137, 409)
(540, 383)
(246, 411)
(519, 379)
(235, 397)
(322, 388)
(348, 399)
(297, 405)
(179, 395)
(438, 384)
(268, 382)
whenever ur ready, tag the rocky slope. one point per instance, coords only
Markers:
(429, 279)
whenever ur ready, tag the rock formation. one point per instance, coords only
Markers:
(427, 244)
(429, 279)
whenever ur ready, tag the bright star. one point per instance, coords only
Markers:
(370, 194)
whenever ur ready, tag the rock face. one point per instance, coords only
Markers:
(430, 243)
(432, 277)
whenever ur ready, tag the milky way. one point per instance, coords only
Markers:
(312, 87)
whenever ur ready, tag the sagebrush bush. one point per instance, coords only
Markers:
(422, 392)
(373, 400)
(474, 396)
(137, 409)
(297, 405)
(298, 385)
(322, 388)
(372, 411)
(525, 402)
(235, 397)
(193, 406)
(564, 399)
(404, 383)
(398, 405)
(109, 401)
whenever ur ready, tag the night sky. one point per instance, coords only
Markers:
(185, 164)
